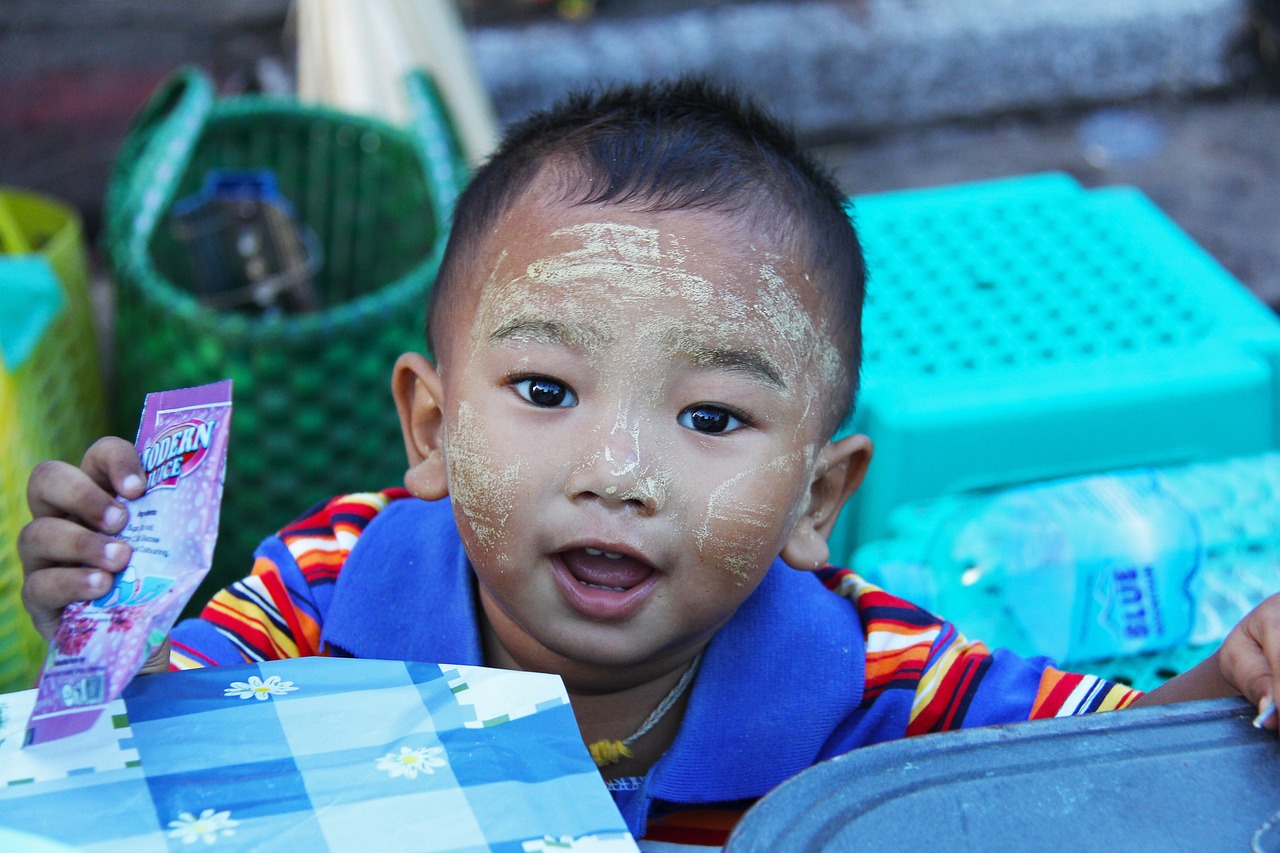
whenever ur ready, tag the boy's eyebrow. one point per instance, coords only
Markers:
(749, 360)
(541, 330)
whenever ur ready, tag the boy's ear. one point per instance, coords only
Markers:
(416, 385)
(841, 466)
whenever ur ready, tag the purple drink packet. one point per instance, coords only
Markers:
(102, 644)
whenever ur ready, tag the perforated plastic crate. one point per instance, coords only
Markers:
(1027, 329)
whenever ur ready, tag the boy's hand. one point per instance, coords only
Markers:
(1250, 657)
(67, 551)
(1246, 664)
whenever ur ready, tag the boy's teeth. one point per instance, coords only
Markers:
(614, 573)
(599, 586)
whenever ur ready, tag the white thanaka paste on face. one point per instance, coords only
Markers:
(628, 259)
(783, 313)
(617, 454)
(479, 486)
(622, 464)
(650, 491)
(628, 262)
(723, 506)
(632, 264)
(633, 469)
(635, 266)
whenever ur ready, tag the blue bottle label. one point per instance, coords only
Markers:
(1141, 606)
(1107, 566)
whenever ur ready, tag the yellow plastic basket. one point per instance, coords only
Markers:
(51, 396)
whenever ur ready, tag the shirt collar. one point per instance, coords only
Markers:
(775, 683)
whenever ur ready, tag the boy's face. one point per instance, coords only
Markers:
(631, 418)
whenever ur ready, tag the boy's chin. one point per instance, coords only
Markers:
(597, 658)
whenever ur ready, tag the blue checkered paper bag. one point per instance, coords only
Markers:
(314, 754)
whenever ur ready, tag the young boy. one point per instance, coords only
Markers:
(646, 331)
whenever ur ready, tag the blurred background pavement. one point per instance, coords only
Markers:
(1178, 97)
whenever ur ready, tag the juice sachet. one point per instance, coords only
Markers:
(101, 644)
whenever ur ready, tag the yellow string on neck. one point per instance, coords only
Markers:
(606, 752)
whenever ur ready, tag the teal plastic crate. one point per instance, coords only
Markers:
(1027, 329)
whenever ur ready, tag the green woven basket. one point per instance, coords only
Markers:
(51, 398)
(313, 415)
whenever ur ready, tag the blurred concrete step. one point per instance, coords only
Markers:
(850, 66)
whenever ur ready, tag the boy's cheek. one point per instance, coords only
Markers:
(745, 518)
(484, 488)
(736, 550)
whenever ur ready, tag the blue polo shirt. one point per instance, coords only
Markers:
(774, 683)
(782, 686)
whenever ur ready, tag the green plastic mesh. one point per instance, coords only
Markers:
(313, 414)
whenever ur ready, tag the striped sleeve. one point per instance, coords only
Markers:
(277, 612)
(941, 681)
(1065, 694)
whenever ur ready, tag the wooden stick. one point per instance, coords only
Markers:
(354, 54)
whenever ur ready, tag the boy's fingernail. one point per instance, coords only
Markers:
(114, 518)
(1266, 710)
(131, 483)
(98, 582)
(114, 552)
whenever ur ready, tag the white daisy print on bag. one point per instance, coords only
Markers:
(207, 828)
(410, 762)
(256, 688)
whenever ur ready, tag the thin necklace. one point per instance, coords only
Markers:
(606, 752)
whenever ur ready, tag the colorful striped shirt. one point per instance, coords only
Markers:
(277, 611)
(831, 665)
(909, 649)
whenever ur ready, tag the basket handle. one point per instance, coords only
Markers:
(155, 151)
(436, 138)
(12, 240)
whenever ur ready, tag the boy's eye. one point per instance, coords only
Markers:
(545, 392)
(709, 419)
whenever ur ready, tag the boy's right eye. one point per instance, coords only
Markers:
(545, 392)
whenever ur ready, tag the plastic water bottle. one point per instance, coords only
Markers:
(1094, 567)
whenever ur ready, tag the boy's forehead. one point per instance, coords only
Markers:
(694, 262)
(544, 234)
(695, 282)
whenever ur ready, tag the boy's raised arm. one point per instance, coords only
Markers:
(68, 552)
(1247, 664)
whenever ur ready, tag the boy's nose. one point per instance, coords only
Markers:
(614, 471)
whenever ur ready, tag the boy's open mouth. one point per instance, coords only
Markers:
(604, 585)
(605, 570)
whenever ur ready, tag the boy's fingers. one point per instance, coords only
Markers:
(1250, 658)
(58, 490)
(1268, 637)
(1266, 718)
(46, 593)
(113, 464)
(47, 542)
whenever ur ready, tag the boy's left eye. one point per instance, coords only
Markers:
(709, 419)
(546, 392)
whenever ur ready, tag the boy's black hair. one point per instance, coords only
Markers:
(683, 144)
